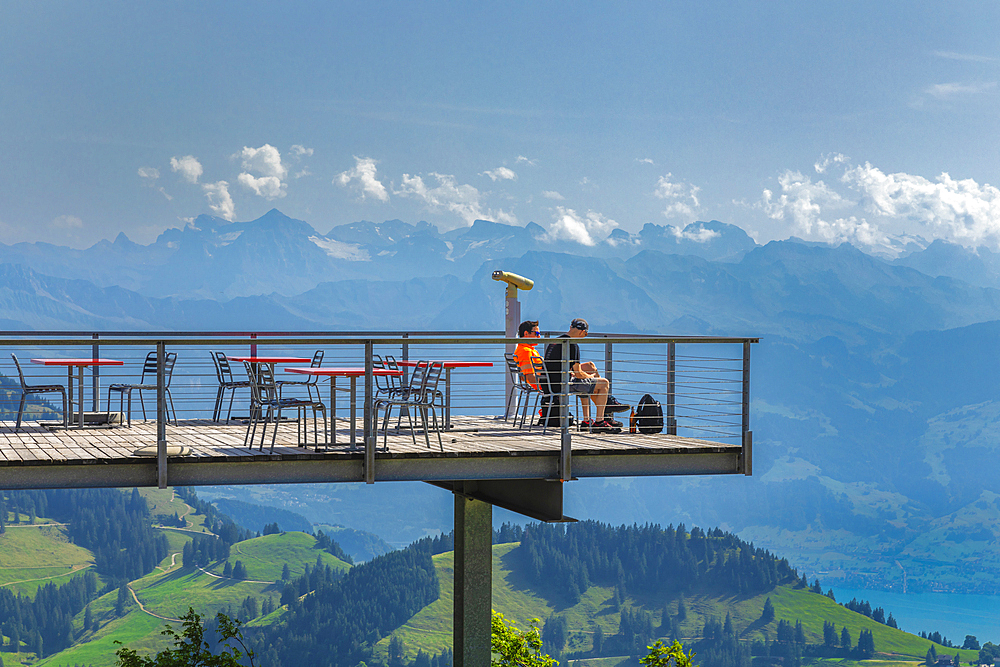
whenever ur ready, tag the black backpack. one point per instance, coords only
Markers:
(649, 415)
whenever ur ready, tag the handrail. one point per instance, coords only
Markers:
(701, 404)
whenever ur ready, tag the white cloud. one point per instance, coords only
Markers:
(150, 175)
(265, 161)
(219, 199)
(570, 226)
(462, 200)
(68, 222)
(943, 91)
(644, 160)
(531, 163)
(826, 161)
(968, 57)
(807, 204)
(298, 150)
(500, 174)
(363, 177)
(699, 234)
(269, 187)
(552, 194)
(682, 198)
(188, 167)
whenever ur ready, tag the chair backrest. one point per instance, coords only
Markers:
(215, 362)
(431, 379)
(541, 374)
(317, 359)
(390, 363)
(255, 394)
(20, 373)
(381, 381)
(225, 370)
(168, 367)
(148, 367)
(417, 376)
(265, 382)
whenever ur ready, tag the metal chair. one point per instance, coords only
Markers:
(420, 395)
(38, 389)
(149, 367)
(523, 389)
(266, 406)
(309, 383)
(227, 382)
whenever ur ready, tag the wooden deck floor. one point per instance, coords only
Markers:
(483, 446)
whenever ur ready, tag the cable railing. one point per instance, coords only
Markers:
(701, 382)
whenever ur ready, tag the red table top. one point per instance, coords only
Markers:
(343, 372)
(78, 362)
(450, 363)
(273, 360)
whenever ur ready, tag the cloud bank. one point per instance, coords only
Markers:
(585, 229)
(448, 195)
(869, 207)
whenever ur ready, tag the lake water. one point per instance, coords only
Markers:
(954, 615)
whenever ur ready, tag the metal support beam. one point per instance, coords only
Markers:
(370, 436)
(746, 456)
(746, 386)
(566, 438)
(473, 580)
(671, 416)
(539, 499)
(161, 415)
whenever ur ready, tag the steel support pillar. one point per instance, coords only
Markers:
(473, 581)
(512, 319)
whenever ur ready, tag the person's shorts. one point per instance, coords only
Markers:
(582, 386)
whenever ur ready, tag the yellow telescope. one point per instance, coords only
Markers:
(513, 281)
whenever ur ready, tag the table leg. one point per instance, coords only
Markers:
(447, 398)
(333, 410)
(79, 375)
(69, 388)
(354, 412)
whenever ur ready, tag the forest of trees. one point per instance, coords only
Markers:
(643, 558)
(342, 619)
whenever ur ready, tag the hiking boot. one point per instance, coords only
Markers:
(601, 427)
(585, 425)
(614, 405)
(614, 424)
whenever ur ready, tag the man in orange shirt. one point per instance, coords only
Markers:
(525, 352)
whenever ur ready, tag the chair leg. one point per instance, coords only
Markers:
(65, 408)
(20, 410)
(229, 413)
(218, 404)
(170, 402)
(141, 403)
(130, 406)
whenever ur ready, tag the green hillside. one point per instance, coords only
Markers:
(430, 629)
(35, 555)
(673, 583)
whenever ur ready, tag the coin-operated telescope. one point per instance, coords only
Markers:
(513, 281)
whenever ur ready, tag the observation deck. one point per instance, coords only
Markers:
(701, 382)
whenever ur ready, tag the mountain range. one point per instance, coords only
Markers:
(874, 401)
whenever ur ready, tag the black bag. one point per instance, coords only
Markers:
(649, 415)
(552, 410)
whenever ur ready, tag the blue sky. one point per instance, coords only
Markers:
(830, 121)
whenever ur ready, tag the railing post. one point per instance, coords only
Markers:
(161, 415)
(671, 389)
(609, 357)
(746, 386)
(95, 372)
(369, 431)
(253, 346)
(566, 439)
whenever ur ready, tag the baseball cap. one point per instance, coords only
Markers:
(579, 323)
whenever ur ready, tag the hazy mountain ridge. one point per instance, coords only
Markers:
(872, 386)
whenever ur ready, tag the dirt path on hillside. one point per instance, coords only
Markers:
(76, 568)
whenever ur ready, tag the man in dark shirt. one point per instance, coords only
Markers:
(584, 380)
